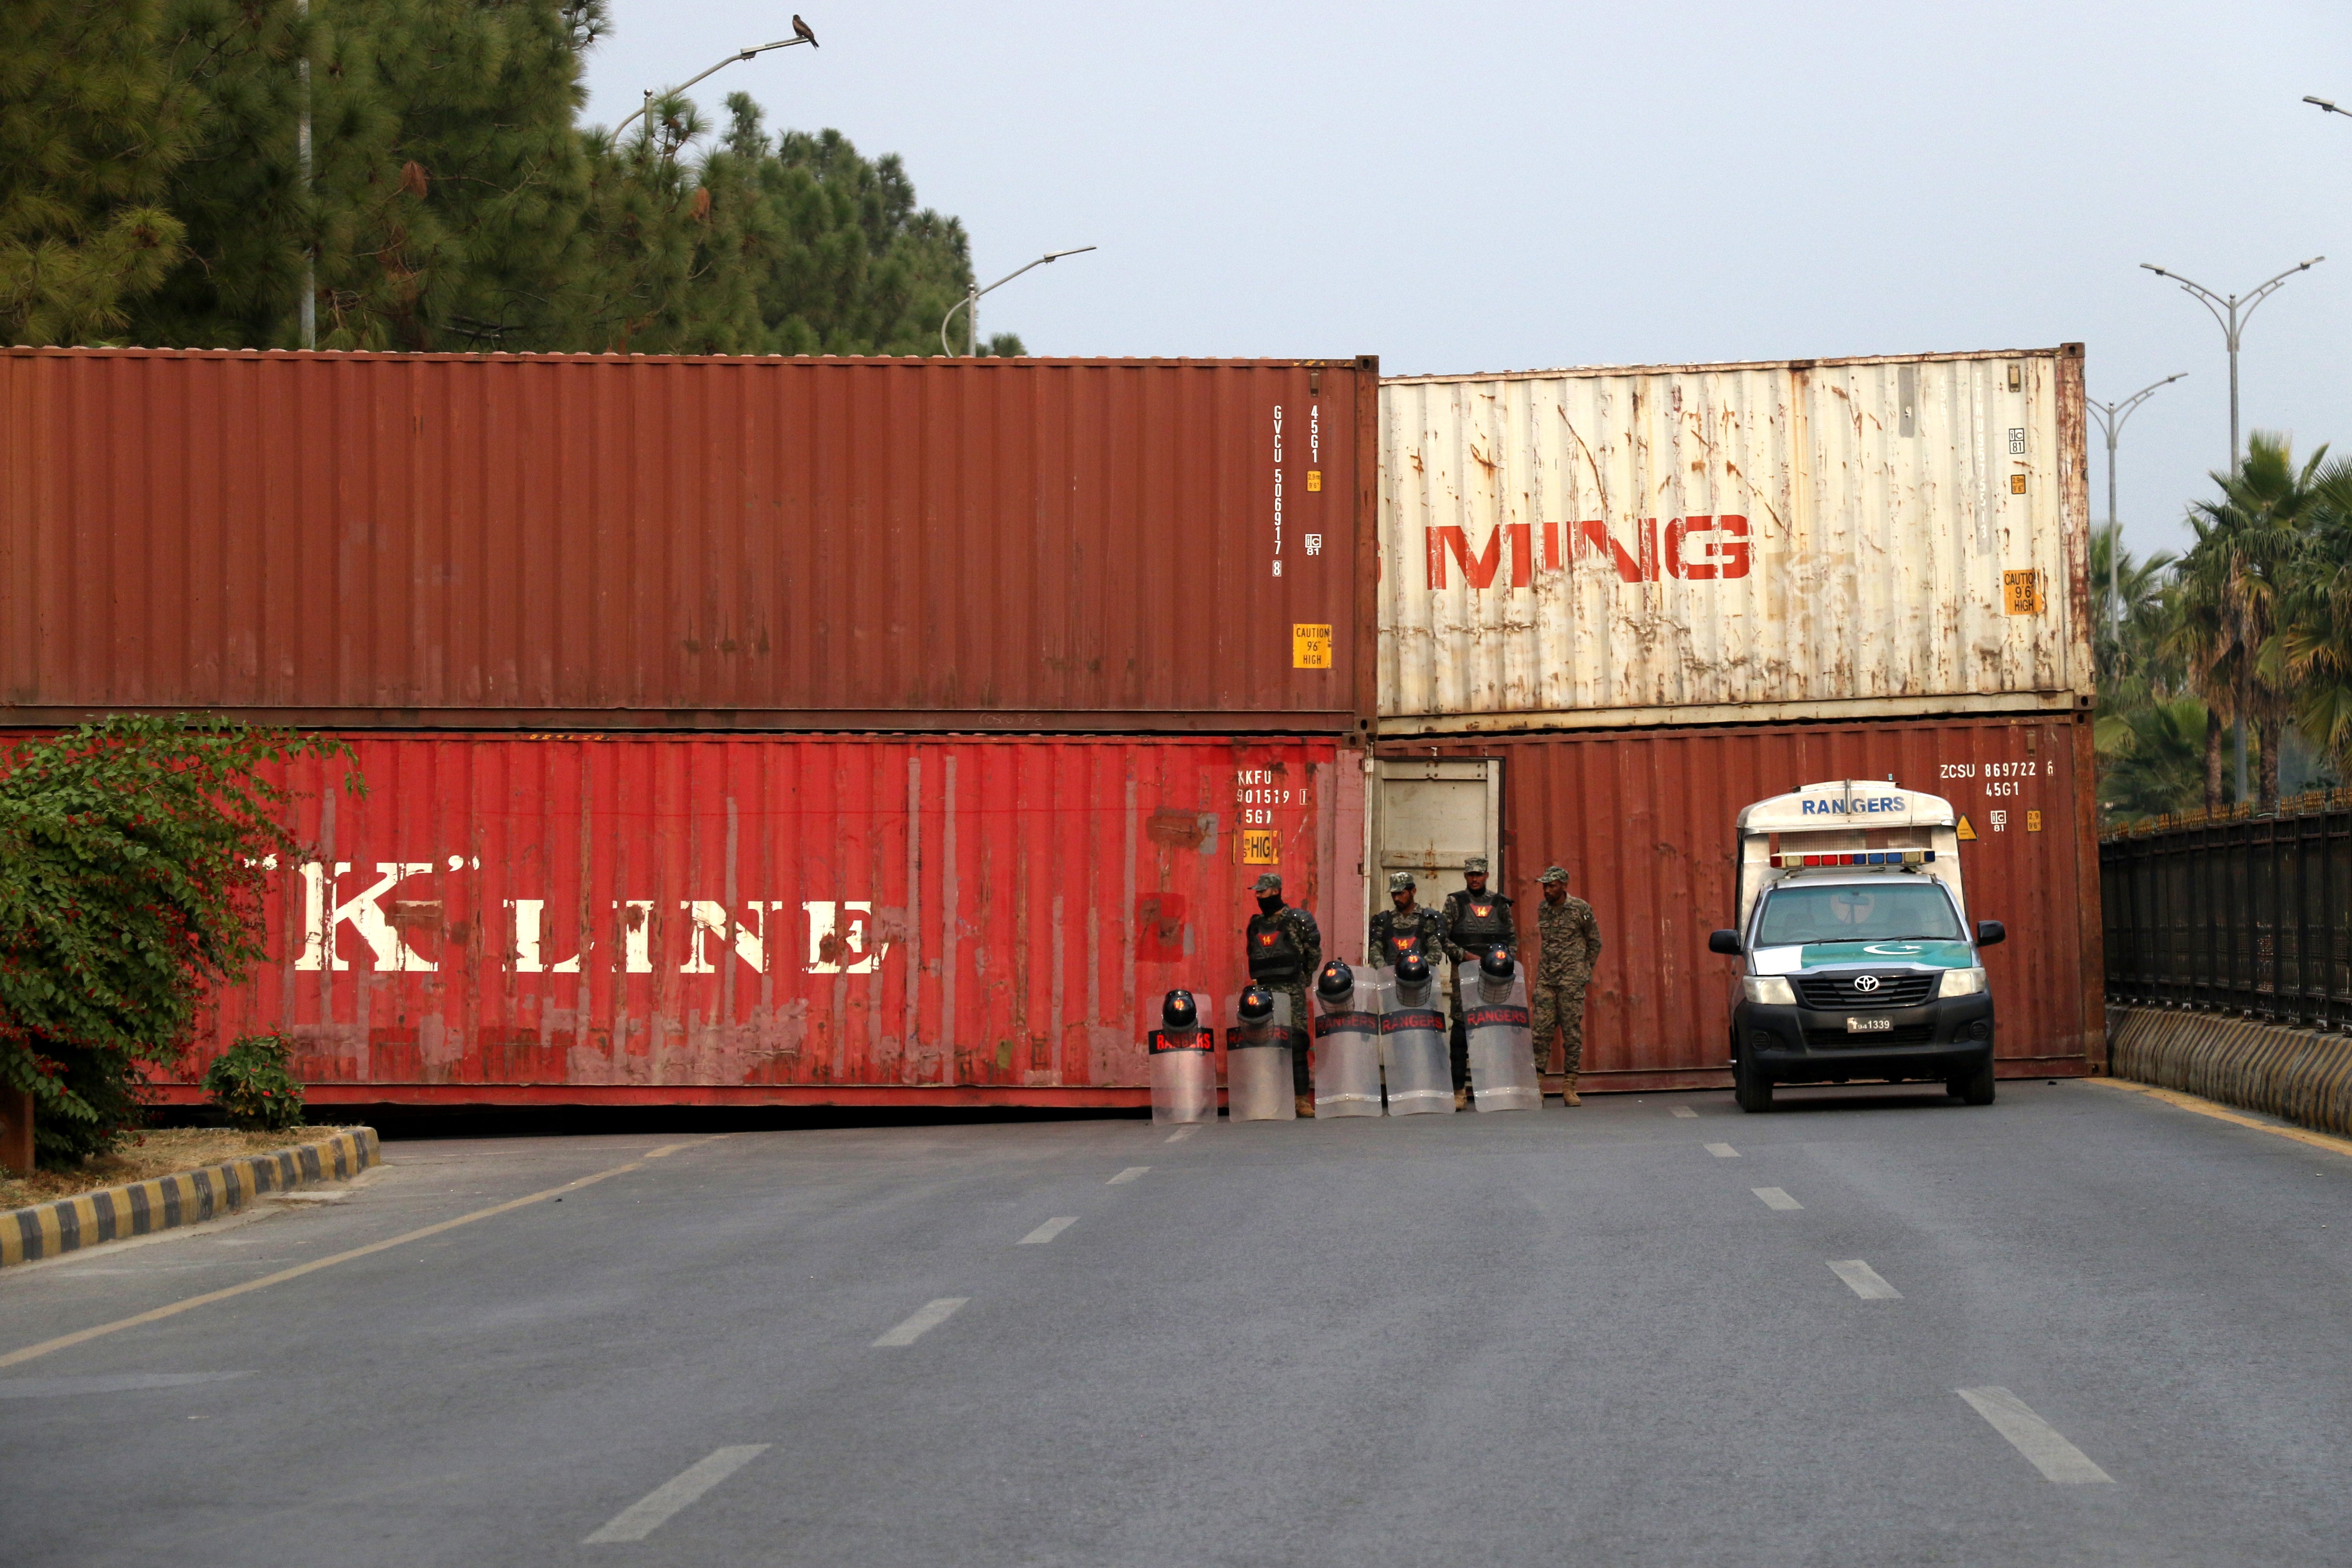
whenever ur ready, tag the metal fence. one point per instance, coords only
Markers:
(2250, 914)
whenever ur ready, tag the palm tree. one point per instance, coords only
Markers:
(2314, 649)
(2128, 648)
(2231, 583)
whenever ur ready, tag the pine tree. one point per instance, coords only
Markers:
(93, 124)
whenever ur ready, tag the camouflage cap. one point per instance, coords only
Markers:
(1552, 874)
(1400, 880)
(1476, 866)
(1267, 883)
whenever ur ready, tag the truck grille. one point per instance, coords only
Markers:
(1827, 991)
(1837, 1039)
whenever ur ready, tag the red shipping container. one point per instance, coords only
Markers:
(1643, 822)
(776, 919)
(602, 541)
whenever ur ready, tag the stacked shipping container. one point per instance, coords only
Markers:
(1598, 585)
(1140, 579)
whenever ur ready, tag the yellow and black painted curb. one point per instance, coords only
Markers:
(2303, 1075)
(184, 1197)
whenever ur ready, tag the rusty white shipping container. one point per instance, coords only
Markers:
(1677, 544)
(775, 919)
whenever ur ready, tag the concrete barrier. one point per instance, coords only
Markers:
(184, 1197)
(2303, 1076)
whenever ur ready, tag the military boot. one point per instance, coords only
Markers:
(1307, 1105)
(1568, 1095)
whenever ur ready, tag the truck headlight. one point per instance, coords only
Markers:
(1773, 990)
(1962, 982)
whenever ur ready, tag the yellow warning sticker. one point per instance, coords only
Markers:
(2021, 593)
(1310, 646)
(2017, 484)
(2032, 822)
(1313, 479)
(1967, 829)
(1261, 846)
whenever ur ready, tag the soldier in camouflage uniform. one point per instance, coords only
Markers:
(1572, 942)
(1405, 928)
(1284, 948)
(1476, 919)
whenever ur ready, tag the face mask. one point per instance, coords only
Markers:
(1269, 903)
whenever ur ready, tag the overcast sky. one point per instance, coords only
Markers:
(1488, 187)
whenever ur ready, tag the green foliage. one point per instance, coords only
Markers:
(94, 122)
(133, 858)
(250, 1081)
(452, 201)
(2255, 622)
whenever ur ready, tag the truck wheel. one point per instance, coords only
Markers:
(1749, 1086)
(1974, 1088)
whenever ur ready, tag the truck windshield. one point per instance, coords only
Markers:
(1902, 912)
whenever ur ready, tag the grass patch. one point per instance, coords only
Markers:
(159, 1151)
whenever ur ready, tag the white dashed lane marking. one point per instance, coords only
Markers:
(1723, 1150)
(1681, 1111)
(1126, 1175)
(930, 1317)
(1049, 1230)
(2031, 1436)
(650, 1512)
(1774, 1198)
(1867, 1282)
(1181, 1134)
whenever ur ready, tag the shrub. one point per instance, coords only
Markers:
(135, 856)
(250, 1082)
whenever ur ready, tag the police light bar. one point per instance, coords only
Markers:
(1861, 857)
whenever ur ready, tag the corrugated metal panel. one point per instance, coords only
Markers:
(1643, 822)
(1824, 538)
(749, 919)
(591, 542)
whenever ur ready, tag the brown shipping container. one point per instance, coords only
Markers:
(1643, 822)
(770, 919)
(597, 542)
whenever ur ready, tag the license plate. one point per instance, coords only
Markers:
(1867, 1026)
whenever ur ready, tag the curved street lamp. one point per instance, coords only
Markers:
(2232, 311)
(970, 303)
(2111, 417)
(802, 34)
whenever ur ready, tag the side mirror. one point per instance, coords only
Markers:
(1990, 933)
(1728, 941)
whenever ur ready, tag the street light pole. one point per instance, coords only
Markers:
(970, 303)
(646, 107)
(2233, 312)
(2111, 417)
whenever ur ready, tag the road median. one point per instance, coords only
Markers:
(66, 1224)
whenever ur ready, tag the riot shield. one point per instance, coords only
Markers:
(1412, 1041)
(1501, 1044)
(1257, 1058)
(1346, 1055)
(1183, 1064)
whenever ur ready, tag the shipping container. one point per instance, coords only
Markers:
(1684, 544)
(601, 542)
(758, 920)
(1643, 822)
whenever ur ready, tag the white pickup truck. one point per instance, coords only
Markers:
(1857, 958)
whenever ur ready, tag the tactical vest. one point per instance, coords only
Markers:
(1401, 943)
(1274, 949)
(1481, 921)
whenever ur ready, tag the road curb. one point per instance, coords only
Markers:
(2302, 1076)
(184, 1197)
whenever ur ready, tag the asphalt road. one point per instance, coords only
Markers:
(1617, 1335)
